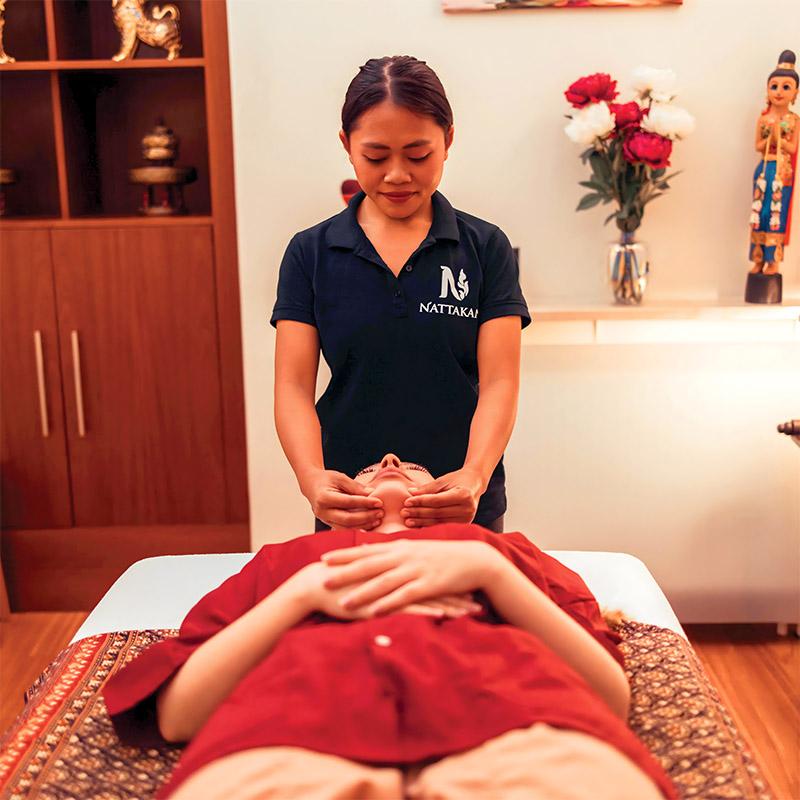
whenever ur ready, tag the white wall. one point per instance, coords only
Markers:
(668, 452)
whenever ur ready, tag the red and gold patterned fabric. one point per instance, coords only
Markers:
(63, 744)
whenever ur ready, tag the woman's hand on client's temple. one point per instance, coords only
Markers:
(341, 502)
(309, 586)
(385, 576)
(450, 498)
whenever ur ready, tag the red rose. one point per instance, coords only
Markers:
(628, 115)
(647, 148)
(592, 89)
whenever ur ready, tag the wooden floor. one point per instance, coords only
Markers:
(756, 672)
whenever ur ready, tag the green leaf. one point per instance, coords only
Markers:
(596, 185)
(600, 168)
(589, 201)
(653, 197)
(609, 218)
(657, 173)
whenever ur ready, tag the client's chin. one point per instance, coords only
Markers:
(393, 491)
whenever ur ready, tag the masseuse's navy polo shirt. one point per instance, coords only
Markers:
(402, 350)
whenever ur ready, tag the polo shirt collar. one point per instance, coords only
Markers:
(344, 230)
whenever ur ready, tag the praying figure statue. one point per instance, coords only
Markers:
(776, 141)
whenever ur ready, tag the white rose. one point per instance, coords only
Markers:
(591, 122)
(668, 120)
(660, 84)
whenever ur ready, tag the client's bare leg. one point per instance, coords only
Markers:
(278, 773)
(536, 763)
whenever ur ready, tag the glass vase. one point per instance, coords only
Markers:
(628, 268)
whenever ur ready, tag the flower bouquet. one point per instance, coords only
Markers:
(629, 150)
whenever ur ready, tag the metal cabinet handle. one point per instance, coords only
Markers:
(40, 379)
(76, 374)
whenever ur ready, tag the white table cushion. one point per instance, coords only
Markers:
(158, 592)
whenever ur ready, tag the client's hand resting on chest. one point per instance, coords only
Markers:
(311, 585)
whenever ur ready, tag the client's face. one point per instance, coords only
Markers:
(390, 479)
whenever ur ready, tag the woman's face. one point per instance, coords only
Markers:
(781, 90)
(398, 157)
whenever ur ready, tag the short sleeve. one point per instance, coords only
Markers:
(130, 694)
(564, 587)
(501, 295)
(295, 298)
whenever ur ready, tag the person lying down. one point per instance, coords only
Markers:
(440, 662)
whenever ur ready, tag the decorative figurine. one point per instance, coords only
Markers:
(776, 139)
(164, 181)
(7, 177)
(134, 25)
(5, 58)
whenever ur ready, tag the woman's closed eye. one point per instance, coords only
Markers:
(374, 467)
(378, 160)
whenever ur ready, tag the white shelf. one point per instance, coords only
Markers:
(724, 320)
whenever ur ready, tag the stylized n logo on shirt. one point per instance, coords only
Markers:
(449, 284)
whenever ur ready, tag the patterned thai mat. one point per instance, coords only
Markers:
(62, 746)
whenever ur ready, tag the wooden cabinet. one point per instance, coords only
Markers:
(34, 475)
(122, 390)
(138, 340)
(110, 375)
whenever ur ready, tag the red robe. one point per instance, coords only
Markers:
(433, 687)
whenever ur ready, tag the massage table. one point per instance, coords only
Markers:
(63, 743)
(158, 592)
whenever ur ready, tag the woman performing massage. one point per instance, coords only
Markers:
(448, 662)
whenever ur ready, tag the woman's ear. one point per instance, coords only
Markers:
(343, 139)
(448, 139)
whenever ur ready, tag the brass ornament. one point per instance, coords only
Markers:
(164, 182)
(159, 27)
(5, 58)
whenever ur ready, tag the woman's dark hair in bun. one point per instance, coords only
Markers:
(405, 81)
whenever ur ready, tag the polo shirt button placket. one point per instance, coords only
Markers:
(399, 303)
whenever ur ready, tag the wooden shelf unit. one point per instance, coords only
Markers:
(73, 118)
(153, 301)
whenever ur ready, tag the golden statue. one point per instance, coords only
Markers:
(159, 28)
(5, 58)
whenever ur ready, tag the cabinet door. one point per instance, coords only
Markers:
(140, 357)
(33, 453)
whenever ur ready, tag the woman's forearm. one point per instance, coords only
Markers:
(525, 606)
(499, 342)
(297, 353)
(491, 426)
(298, 429)
(213, 670)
